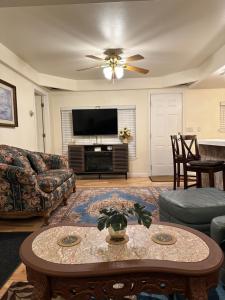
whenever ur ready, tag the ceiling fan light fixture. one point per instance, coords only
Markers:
(114, 63)
(119, 72)
(108, 73)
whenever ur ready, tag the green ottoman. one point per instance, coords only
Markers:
(218, 234)
(193, 207)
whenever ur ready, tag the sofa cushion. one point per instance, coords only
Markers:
(37, 162)
(23, 162)
(193, 206)
(6, 157)
(51, 179)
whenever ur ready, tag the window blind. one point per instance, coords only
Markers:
(222, 116)
(126, 118)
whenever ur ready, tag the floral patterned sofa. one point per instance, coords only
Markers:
(32, 183)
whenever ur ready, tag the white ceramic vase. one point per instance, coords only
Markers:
(115, 235)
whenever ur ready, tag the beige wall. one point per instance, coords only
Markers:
(25, 134)
(140, 98)
(200, 114)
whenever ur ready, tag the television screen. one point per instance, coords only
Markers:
(94, 121)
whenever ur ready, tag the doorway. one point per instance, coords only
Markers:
(166, 119)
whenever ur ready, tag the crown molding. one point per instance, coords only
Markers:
(213, 63)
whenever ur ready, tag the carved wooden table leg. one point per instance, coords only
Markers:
(197, 289)
(41, 285)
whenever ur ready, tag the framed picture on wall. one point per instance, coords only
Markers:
(8, 105)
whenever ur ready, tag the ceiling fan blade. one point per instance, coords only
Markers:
(134, 57)
(89, 68)
(136, 69)
(94, 57)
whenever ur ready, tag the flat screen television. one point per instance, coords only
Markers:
(95, 121)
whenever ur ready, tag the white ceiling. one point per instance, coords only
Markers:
(17, 3)
(172, 35)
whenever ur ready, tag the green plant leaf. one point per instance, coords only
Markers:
(111, 216)
(125, 221)
(118, 221)
(126, 214)
(146, 212)
(107, 224)
(108, 211)
(147, 222)
(102, 222)
(138, 207)
(139, 221)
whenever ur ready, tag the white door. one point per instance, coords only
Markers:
(166, 119)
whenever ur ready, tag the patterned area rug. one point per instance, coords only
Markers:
(83, 206)
(23, 291)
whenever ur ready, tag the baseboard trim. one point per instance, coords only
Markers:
(138, 174)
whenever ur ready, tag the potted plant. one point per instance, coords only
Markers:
(125, 134)
(116, 219)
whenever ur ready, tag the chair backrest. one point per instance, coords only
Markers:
(175, 147)
(190, 148)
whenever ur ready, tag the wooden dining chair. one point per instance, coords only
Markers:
(177, 161)
(192, 162)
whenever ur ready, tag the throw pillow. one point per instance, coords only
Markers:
(52, 161)
(23, 162)
(37, 162)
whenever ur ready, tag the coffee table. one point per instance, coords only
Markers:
(94, 268)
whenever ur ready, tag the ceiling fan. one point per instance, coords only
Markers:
(114, 65)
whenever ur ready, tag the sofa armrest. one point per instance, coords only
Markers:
(55, 161)
(217, 230)
(17, 175)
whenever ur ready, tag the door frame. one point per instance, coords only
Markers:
(46, 115)
(161, 92)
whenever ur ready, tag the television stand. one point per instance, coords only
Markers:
(99, 159)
